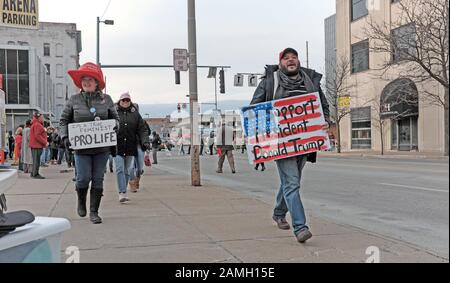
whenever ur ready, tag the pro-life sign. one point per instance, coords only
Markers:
(284, 128)
(92, 134)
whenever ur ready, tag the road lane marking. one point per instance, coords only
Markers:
(414, 188)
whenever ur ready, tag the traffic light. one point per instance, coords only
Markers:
(222, 81)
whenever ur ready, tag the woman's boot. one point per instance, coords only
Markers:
(82, 193)
(96, 196)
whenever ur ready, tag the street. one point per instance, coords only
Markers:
(406, 200)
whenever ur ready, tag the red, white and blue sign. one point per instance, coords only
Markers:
(284, 128)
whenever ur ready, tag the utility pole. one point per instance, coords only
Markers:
(193, 95)
(307, 54)
(98, 40)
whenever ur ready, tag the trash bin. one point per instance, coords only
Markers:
(38, 242)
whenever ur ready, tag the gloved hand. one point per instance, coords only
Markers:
(146, 146)
(67, 143)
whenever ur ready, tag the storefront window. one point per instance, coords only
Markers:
(361, 128)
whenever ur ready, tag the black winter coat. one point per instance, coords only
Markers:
(132, 131)
(77, 110)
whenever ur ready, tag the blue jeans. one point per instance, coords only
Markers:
(45, 156)
(124, 165)
(288, 198)
(90, 168)
(138, 168)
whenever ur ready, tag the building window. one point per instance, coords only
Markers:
(359, 9)
(59, 71)
(403, 42)
(360, 56)
(60, 91)
(361, 128)
(14, 65)
(24, 77)
(47, 66)
(12, 84)
(46, 49)
(59, 50)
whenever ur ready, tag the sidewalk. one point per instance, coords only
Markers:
(388, 155)
(170, 221)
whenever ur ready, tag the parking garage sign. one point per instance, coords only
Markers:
(19, 13)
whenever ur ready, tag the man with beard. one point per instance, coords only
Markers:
(285, 80)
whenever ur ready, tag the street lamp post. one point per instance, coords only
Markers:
(106, 22)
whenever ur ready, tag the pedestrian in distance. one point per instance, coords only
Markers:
(38, 141)
(156, 142)
(17, 149)
(263, 167)
(225, 139)
(90, 104)
(132, 130)
(11, 144)
(289, 79)
(26, 155)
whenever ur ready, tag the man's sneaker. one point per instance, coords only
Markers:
(282, 223)
(219, 171)
(123, 198)
(304, 235)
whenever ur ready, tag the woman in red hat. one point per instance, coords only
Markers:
(91, 104)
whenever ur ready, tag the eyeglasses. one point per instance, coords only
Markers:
(126, 100)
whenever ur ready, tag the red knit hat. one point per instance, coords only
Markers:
(88, 70)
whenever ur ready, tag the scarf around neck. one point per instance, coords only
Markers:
(289, 83)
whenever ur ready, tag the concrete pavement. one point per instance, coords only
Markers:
(170, 221)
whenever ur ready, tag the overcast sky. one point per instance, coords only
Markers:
(243, 34)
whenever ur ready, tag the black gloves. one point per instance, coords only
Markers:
(113, 151)
(146, 146)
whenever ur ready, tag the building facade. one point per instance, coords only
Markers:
(376, 118)
(27, 85)
(56, 47)
(330, 46)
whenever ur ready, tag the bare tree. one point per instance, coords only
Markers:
(418, 46)
(338, 87)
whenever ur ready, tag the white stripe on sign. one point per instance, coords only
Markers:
(415, 188)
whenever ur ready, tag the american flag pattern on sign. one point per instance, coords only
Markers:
(284, 128)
